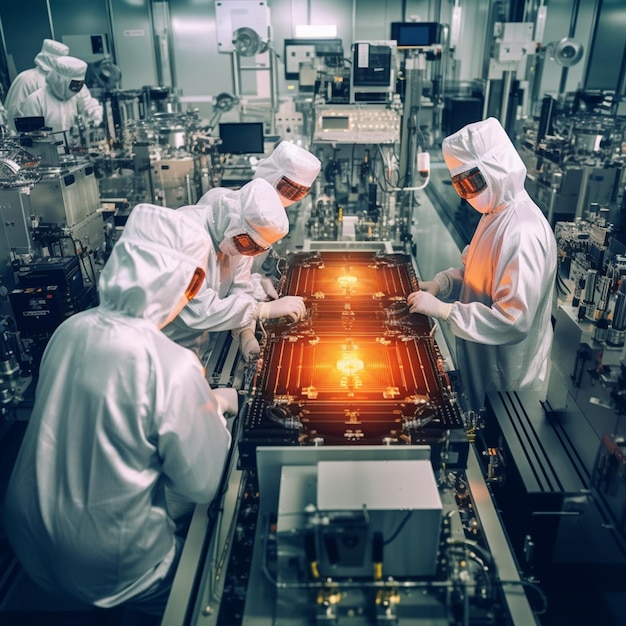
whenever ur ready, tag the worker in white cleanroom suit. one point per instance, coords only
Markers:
(498, 305)
(30, 80)
(57, 101)
(4, 119)
(291, 170)
(242, 224)
(122, 415)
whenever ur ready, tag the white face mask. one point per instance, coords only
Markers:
(483, 202)
(228, 247)
(60, 86)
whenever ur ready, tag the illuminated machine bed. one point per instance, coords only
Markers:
(359, 369)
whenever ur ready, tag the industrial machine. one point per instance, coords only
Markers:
(574, 158)
(352, 495)
(155, 152)
(54, 237)
(556, 467)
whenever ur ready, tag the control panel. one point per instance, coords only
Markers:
(357, 124)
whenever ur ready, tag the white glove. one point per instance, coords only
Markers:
(227, 400)
(248, 345)
(430, 286)
(268, 287)
(263, 287)
(97, 119)
(287, 306)
(426, 303)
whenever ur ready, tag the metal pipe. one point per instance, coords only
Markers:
(619, 311)
(506, 88)
(572, 32)
(590, 286)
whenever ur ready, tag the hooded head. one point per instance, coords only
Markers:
(50, 49)
(252, 213)
(482, 152)
(291, 170)
(152, 264)
(66, 77)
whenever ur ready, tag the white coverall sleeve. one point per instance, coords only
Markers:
(263, 288)
(450, 280)
(89, 107)
(4, 116)
(242, 279)
(236, 309)
(32, 107)
(207, 311)
(193, 437)
(516, 294)
(17, 94)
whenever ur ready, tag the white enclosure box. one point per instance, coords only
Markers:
(397, 501)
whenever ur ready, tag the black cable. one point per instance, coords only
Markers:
(529, 585)
(388, 187)
(395, 534)
(216, 504)
(93, 269)
(561, 285)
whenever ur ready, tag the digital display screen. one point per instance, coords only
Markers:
(336, 123)
(28, 124)
(242, 138)
(414, 34)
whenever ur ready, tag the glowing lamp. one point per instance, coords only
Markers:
(347, 283)
(350, 364)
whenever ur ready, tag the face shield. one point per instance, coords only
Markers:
(248, 221)
(246, 246)
(291, 190)
(290, 169)
(196, 282)
(470, 183)
(76, 85)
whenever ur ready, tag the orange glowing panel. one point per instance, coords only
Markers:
(349, 364)
(347, 284)
(360, 367)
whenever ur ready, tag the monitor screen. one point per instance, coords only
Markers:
(415, 34)
(28, 124)
(242, 138)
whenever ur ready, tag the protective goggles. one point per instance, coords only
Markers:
(195, 283)
(76, 85)
(469, 184)
(246, 245)
(290, 190)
